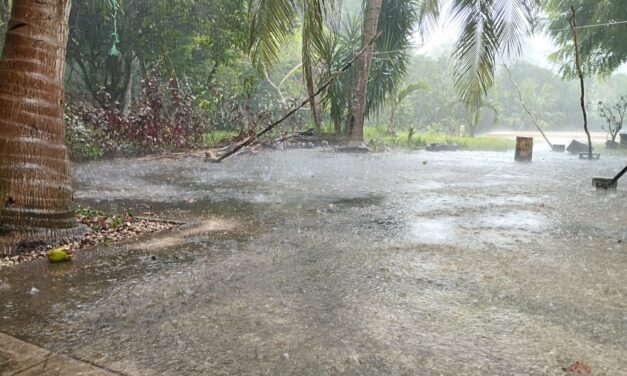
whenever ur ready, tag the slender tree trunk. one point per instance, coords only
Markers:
(360, 93)
(573, 25)
(476, 117)
(309, 81)
(127, 99)
(392, 124)
(312, 23)
(35, 185)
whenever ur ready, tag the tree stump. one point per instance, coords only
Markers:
(524, 149)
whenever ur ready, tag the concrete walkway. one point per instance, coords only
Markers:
(21, 358)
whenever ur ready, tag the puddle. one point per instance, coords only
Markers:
(373, 264)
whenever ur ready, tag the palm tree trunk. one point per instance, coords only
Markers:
(310, 26)
(392, 124)
(35, 185)
(358, 106)
(309, 81)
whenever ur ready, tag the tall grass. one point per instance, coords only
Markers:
(216, 138)
(420, 140)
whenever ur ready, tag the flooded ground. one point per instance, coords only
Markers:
(313, 263)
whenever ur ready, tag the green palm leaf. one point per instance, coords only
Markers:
(396, 22)
(428, 15)
(271, 24)
(489, 28)
(412, 88)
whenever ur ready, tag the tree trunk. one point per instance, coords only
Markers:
(392, 124)
(474, 122)
(127, 99)
(35, 184)
(573, 25)
(360, 93)
(315, 110)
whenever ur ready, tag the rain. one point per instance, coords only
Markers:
(312, 188)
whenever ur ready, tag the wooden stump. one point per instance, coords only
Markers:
(558, 148)
(524, 149)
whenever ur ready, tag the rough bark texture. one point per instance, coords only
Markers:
(358, 107)
(35, 185)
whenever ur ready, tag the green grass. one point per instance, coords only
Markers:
(420, 140)
(216, 138)
(401, 140)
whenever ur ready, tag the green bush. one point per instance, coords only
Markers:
(82, 142)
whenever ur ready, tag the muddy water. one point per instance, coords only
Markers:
(310, 263)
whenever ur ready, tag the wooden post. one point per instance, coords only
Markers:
(524, 149)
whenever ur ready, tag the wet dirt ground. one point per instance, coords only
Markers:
(314, 263)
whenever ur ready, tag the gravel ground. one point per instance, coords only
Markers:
(103, 229)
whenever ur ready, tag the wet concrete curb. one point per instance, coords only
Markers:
(21, 358)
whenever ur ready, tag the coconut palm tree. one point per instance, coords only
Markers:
(388, 66)
(273, 21)
(364, 63)
(35, 185)
(489, 28)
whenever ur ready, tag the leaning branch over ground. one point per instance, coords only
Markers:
(520, 98)
(573, 26)
(328, 83)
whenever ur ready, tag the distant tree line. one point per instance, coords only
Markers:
(553, 100)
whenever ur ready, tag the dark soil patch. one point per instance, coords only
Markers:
(101, 228)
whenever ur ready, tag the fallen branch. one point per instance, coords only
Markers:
(520, 97)
(328, 83)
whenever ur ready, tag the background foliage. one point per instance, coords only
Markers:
(181, 70)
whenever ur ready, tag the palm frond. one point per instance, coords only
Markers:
(428, 15)
(335, 51)
(313, 33)
(272, 21)
(489, 28)
(396, 21)
(412, 88)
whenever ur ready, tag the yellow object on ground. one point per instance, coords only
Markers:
(60, 255)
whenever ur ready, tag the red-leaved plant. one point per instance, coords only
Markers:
(163, 118)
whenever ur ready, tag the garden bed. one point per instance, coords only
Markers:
(102, 228)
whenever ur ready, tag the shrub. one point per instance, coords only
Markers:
(163, 118)
(82, 142)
